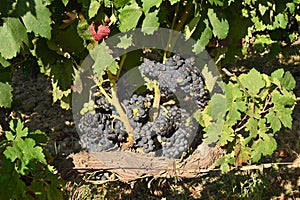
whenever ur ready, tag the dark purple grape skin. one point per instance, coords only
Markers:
(103, 132)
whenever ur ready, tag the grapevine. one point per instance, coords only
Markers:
(53, 38)
(170, 132)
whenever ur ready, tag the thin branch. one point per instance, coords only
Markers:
(228, 73)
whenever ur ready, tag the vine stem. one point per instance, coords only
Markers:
(109, 99)
(156, 102)
(178, 27)
(123, 116)
(121, 65)
(116, 102)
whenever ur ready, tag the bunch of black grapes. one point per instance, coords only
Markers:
(173, 130)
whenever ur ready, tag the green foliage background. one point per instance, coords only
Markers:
(53, 34)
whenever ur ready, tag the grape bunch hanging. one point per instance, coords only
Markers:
(168, 130)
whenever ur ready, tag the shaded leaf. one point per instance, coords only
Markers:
(39, 137)
(62, 73)
(216, 2)
(5, 95)
(203, 40)
(191, 26)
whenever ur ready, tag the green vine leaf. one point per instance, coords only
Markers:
(113, 68)
(5, 95)
(281, 21)
(62, 73)
(3, 62)
(129, 16)
(203, 40)
(94, 7)
(65, 2)
(252, 127)
(264, 146)
(247, 80)
(234, 103)
(220, 26)
(150, 23)
(40, 21)
(102, 56)
(213, 117)
(191, 26)
(25, 151)
(226, 136)
(224, 162)
(273, 120)
(147, 4)
(288, 81)
(216, 2)
(20, 129)
(13, 35)
(210, 78)
(262, 9)
(125, 42)
(121, 3)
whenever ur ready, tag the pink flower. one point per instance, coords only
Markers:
(99, 32)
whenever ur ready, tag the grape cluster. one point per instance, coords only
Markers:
(172, 131)
(99, 130)
(178, 73)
